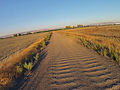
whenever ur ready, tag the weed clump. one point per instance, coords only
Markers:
(37, 56)
(43, 44)
(28, 66)
(19, 69)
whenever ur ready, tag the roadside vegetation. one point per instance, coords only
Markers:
(22, 62)
(105, 40)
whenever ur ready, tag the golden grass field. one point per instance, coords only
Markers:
(108, 37)
(9, 46)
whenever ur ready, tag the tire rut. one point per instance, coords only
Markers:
(73, 67)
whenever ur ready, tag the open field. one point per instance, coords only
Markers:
(9, 46)
(103, 39)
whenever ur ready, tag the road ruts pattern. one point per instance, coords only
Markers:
(69, 66)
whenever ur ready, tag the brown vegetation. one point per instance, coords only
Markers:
(9, 46)
(11, 68)
(104, 39)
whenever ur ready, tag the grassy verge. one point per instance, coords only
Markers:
(101, 48)
(21, 62)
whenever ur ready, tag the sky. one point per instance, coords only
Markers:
(25, 15)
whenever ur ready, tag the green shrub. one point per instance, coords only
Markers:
(43, 44)
(28, 66)
(36, 57)
(68, 27)
(19, 68)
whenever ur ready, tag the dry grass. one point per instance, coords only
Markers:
(19, 56)
(108, 35)
(104, 38)
(9, 46)
(8, 67)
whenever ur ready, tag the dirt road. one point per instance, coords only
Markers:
(69, 66)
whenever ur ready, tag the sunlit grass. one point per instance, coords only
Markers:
(21, 61)
(105, 40)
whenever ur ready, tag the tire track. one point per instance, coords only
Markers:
(66, 70)
(73, 67)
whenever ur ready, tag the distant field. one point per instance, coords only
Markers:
(104, 39)
(108, 35)
(9, 46)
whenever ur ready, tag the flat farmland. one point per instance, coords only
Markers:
(9, 46)
(108, 35)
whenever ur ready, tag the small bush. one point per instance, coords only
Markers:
(28, 66)
(43, 44)
(68, 27)
(36, 57)
(19, 68)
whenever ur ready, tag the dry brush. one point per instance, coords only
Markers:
(21, 62)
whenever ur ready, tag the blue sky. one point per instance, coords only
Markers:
(25, 15)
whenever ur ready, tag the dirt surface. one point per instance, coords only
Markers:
(9, 46)
(69, 66)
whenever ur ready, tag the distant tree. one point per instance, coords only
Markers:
(79, 26)
(19, 34)
(73, 27)
(28, 33)
(68, 27)
(14, 35)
